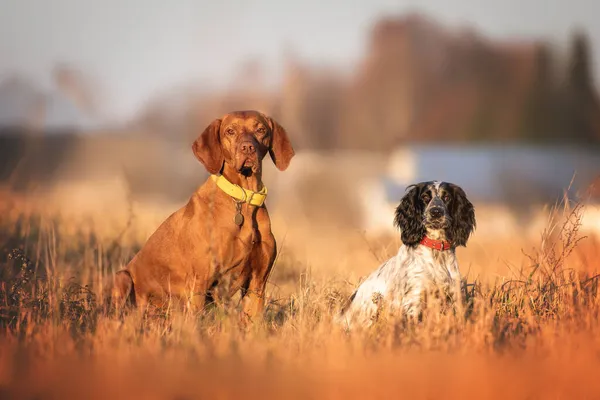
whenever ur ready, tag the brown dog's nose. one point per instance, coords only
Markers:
(248, 147)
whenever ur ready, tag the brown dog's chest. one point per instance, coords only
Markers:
(244, 225)
(245, 250)
(254, 230)
(244, 243)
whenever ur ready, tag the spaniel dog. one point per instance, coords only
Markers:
(434, 218)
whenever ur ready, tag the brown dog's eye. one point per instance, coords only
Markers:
(261, 130)
(230, 131)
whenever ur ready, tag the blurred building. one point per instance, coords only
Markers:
(510, 184)
(23, 104)
(513, 174)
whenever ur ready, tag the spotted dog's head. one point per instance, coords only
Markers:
(439, 210)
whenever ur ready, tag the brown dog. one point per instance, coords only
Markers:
(221, 240)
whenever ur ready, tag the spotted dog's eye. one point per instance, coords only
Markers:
(426, 198)
(230, 131)
(261, 130)
(446, 197)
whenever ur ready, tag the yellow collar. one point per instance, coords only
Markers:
(239, 193)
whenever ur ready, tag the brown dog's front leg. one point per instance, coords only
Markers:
(254, 298)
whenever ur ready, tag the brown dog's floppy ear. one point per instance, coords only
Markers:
(281, 150)
(207, 148)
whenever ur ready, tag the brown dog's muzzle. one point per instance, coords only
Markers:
(246, 156)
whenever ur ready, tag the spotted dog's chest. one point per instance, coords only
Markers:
(438, 274)
(422, 267)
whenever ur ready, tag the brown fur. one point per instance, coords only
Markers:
(199, 252)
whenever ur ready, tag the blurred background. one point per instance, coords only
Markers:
(100, 102)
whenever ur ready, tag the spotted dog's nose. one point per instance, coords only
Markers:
(436, 212)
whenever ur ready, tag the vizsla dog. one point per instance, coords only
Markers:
(221, 240)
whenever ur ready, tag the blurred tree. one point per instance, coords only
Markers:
(482, 122)
(388, 81)
(79, 87)
(322, 109)
(582, 111)
(250, 76)
(539, 120)
(310, 104)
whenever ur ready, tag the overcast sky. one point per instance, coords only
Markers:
(138, 48)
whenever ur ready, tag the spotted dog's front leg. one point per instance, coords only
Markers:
(415, 299)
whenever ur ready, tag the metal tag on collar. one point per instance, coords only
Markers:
(238, 219)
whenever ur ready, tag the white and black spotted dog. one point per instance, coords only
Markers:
(434, 218)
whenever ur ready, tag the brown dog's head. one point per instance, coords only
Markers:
(242, 139)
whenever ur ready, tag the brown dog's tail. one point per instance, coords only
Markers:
(120, 292)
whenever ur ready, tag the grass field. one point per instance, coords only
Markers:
(528, 327)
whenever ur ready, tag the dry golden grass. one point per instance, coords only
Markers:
(528, 327)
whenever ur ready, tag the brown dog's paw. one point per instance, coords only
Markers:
(119, 294)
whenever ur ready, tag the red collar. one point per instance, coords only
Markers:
(436, 244)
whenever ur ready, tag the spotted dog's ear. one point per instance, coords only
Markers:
(463, 216)
(409, 217)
